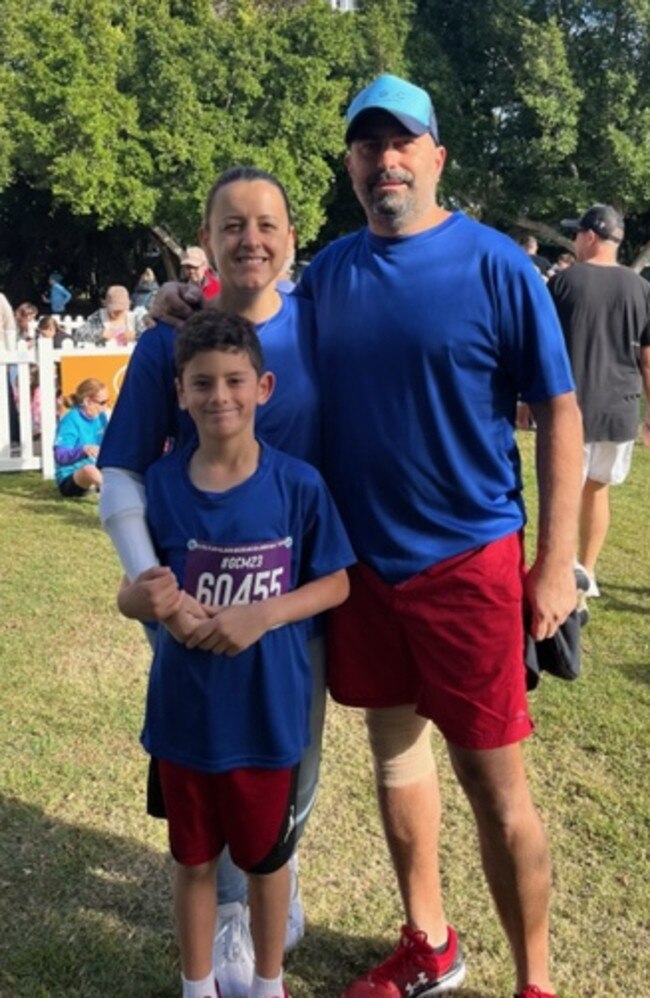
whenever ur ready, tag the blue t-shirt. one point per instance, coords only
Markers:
(272, 533)
(77, 430)
(424, 344)
(147, 415)
(58, 297)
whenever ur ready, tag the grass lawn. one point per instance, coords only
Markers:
(84, 875)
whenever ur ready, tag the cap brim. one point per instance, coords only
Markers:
(570, 223)
(411, 125)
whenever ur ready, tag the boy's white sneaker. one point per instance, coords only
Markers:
(232, 953)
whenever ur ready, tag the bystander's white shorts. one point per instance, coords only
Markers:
(607, 462)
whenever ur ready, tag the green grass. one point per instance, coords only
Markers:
(84, 875)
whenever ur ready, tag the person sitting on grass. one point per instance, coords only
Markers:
(78, 437)
(252, 534)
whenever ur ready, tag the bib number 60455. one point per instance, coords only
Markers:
(225, 590)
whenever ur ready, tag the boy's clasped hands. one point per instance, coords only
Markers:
(154, 595)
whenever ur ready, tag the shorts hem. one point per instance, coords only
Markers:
(483, 743)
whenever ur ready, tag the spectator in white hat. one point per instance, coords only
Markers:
(116, 322)
(196, 270)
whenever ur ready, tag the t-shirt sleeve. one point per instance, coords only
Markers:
(645, 333)
(304, 287)
(325, 544)
(145, 413)
(532, 340)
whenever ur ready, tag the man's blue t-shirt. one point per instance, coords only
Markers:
(272, 533)
(146, 415)
(424, 344)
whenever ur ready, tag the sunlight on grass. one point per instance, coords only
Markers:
(84, 874)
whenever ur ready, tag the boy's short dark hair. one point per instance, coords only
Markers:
(213, 330)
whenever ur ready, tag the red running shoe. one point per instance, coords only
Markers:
(414, 970)
(532, 991)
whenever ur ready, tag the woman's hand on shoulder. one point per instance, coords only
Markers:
(176, 301)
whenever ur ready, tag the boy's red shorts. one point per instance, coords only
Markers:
(449, 640)
(250, 810)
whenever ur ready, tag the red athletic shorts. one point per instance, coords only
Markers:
(449, 640)
(250, 810)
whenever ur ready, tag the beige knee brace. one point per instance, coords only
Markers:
(400, 741)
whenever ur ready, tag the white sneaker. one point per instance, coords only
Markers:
(296, 919)
(232, 953)
(586, 582)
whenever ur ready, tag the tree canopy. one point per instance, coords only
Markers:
(123, 113)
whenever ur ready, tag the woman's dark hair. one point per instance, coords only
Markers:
(213, 330)
(248, 173)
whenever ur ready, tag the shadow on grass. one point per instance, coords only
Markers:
(326, 961)
(638, 671)
(83, 912)
(86, 913)
(631, 599)
(45, 500)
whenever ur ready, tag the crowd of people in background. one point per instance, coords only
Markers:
(119, 321)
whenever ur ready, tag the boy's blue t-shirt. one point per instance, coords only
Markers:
(146, 414)
(272, 533)
(424, 344)
(76, 430)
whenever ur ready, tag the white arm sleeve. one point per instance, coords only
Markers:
(122, 511)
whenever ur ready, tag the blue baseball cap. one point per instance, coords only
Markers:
(409, 104)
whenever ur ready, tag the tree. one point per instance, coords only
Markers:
(127, 111)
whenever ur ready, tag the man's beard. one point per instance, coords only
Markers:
(393, 205)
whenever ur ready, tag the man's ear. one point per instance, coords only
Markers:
(346, 161)
(265, 387)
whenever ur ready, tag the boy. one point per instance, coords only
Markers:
(253, 535)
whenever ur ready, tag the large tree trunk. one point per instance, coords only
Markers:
(642, 259)
(545, 233)
(170, 251)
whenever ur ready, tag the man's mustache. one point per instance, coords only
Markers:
(390, 176)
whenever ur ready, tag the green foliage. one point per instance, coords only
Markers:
(125, 112)
(129, 111)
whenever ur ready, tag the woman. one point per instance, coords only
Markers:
(78, 437)
(115, 323)
(145, 289)
(248, 232)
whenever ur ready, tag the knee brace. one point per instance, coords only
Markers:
(400, 741)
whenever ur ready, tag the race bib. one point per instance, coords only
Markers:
(225, 575)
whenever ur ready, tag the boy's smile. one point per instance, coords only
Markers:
(221, 390)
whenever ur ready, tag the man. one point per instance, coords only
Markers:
(430, 325)
(58, 296)
(195, 269)
(429, 328)
(604, 309)
(530, 246)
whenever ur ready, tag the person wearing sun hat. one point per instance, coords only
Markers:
(604, 309)
(195, 268)
(115, 322)
(430, 325)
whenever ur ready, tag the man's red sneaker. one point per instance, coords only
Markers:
(414, 970)
(532, 991)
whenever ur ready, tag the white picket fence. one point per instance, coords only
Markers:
(31, 452)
